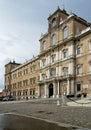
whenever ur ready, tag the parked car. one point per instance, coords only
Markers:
(8, 98)
(1, 98)
(70, 96)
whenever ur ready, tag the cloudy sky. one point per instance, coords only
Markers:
(23, 21)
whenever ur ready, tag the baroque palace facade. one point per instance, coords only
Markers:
(63, 65)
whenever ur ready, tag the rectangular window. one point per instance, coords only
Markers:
(14, 76)
(38, 78)
(43, 76)
(65, 32)
(19, 93)
(19, 74)
(31, 69)
(90, 66)
(14, 93)
(78, 87)
(78, 50)
(26, 71)
(89, 44)
(25, 82)
(31, 81)
(53, 39)
(34, 92)
(14, 86)
(53, 57)
(64, 53)
(30, 92)
(78, 70)
(52, 72)
(44, 45)
(25, 92)
(43, 62)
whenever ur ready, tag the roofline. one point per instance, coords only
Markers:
(63, 11)
(12, 63)
(26, 63)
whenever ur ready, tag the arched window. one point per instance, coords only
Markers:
(65, 32)
(44, 45)
(53, 39)
(53, 22)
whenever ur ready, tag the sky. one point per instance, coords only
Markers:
(23, 21)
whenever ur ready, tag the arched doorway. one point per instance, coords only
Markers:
(50, 90)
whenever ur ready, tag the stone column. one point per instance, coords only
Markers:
(72, 49)
(45, 91)
(46, 60)
(60, 70)
(60, 55)
(57, 54)
(40, 63)
(71, 67)
(69, 70)
(58, 90)
(68, 86)
(49, 61)
(54, 90)
(48, 73)
(40, 76)
(57, 71)
(39, 93)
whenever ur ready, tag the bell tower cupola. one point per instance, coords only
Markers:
(56, 18)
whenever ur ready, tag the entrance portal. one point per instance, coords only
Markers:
(50, 90)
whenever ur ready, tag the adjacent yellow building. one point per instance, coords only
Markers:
(21, 79)
(63, 65)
